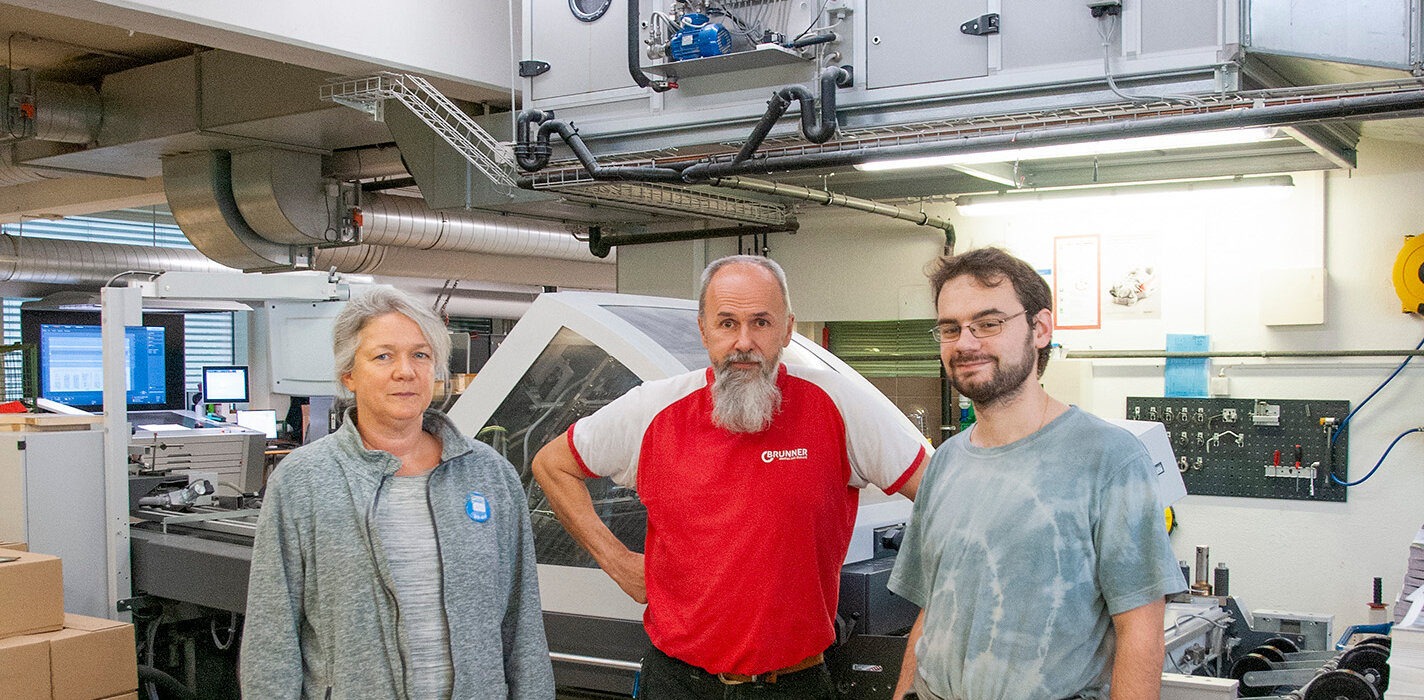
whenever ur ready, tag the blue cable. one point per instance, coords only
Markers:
(1337, 480)
(1340, 428)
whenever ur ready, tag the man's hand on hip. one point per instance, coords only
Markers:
(626, 569)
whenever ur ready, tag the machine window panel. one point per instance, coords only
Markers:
(570, 379)
(675, 330)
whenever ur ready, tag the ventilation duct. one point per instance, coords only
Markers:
(12, 173)
(51, 261)
(200, 194)
(406, 222)
(49, 111)
(442, 264)
(282, 196)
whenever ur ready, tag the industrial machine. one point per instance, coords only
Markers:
(183, 441)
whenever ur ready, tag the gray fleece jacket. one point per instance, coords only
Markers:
(322, 619)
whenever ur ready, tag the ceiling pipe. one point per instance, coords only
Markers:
(837, 200)
(53, 261)
(601, 244)
(815, 131)
(392, 220)
(50, 111)
(442, 264)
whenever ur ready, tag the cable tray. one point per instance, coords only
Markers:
(670, 199)
(369, 93)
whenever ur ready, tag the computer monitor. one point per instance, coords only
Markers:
(264, 420)
(227, 384)
(71, 359)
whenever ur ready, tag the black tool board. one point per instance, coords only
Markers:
(1230, 445)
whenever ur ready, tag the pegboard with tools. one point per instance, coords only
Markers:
(1254, 448)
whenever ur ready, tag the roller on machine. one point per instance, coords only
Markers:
(1277, 669)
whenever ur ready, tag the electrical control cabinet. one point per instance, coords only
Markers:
(1254, 448)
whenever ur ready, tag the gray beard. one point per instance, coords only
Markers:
(745, 401)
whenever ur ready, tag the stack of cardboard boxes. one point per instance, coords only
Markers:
(46, 654)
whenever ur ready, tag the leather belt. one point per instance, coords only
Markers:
(772, 676)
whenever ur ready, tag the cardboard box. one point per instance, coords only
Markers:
(31, 593)
(92, 658)
(125, 696)
(25, 668)
(17, 546)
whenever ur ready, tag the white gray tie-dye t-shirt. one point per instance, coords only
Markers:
(1021, 554)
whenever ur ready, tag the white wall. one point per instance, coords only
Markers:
(1216, 259)
(461, 41)
(842, 265)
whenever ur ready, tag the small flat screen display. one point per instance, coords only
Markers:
(262, 420)
(225, 384)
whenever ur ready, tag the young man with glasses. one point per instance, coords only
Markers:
(1036, 550)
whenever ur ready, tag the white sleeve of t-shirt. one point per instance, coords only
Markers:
(882, 444)
(608, 442)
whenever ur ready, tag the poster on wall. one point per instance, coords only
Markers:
(1132, 284)
(1077, 276)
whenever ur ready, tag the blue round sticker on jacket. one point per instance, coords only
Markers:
(477, 507)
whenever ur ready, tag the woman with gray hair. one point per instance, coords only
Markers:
(393, 557)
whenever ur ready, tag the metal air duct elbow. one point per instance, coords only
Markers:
(199, 190)
(282, 196)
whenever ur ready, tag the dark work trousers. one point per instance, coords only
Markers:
(666, 678)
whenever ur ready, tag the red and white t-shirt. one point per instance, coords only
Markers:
(747, 532)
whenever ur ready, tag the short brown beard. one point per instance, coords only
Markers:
(745, 401)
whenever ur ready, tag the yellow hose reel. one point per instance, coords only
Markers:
(1409, 275)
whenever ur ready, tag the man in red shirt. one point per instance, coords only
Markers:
(750, 471)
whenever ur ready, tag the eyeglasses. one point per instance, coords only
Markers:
(986, 328)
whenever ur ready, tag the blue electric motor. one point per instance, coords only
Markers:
(699, 37)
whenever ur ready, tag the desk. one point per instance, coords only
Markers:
(272, 456)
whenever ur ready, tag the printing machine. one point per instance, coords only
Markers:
(185, 441)
(571, 354)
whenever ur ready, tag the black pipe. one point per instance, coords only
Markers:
(601, 244)
(775, 108)
(815, 130)
(1395, 104)
(149, 674)
(635, 67)
(531, 157)
(570, 135)
(811, 41)
(380, 185)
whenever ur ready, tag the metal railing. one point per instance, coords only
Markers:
(435, 110)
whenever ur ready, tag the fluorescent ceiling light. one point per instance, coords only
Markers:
(1088, 148)
(1154, 193)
